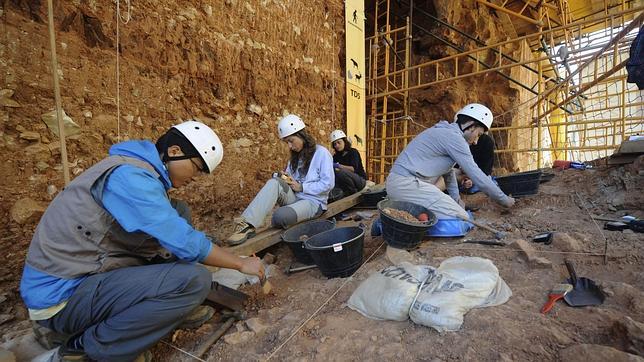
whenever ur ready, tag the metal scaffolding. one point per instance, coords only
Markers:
(579, 106)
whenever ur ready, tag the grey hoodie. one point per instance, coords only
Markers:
(435, 151)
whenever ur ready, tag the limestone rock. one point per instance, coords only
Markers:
(38, 149)
(24, 209)
(255, 109)
(596, 353)
(565, 242)
(51, 190)
(42, 166)
(238, 337)
(70, 127)
(529, 253)
(255, 325)
(5, 99)
(6, 93)
(189, 13)
(30, 136)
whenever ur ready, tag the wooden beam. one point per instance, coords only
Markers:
(272, 236)
(630, 147)
(619, 159)
(510, 12)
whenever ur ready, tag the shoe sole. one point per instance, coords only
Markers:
(241, 241)
(198, 323)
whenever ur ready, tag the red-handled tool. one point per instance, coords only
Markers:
(558, 292)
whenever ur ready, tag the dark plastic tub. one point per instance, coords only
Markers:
(371, 198)
(310, 228)
(338, 252)
(400, 233)
(520, 184)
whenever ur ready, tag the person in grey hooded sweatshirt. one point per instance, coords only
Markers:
(432, 154)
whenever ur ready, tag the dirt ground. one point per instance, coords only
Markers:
(513, 331)
(228, 78)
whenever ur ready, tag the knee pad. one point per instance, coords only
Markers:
(284, 217)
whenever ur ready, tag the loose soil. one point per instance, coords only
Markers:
(513, 331)
(401, 215)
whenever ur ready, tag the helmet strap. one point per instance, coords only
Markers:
(167, 158)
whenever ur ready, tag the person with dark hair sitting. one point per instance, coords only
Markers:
(112, 266)
(483, 154)
(350, 176)
(301, 190)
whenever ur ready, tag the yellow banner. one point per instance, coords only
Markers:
(355, 74)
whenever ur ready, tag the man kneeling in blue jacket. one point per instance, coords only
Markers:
(112, 263)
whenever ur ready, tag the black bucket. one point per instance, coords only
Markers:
(338, 252)
(520, 184)
(400, 233)
(371, 198)
(293, 234)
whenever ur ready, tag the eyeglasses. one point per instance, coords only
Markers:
(199, 168)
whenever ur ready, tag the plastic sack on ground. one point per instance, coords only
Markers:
(436, 298)
(388, 294)
(458, 285)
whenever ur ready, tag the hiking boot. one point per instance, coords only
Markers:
(65, 353)
(197, 317)
(369, 184)
(47, 338)
(243, 232)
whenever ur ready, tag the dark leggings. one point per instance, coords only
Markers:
(349, 182)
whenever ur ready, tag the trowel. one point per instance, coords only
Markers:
(585, 292)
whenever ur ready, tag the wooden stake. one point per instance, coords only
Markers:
(59, 108)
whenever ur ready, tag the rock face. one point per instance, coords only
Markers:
(178, 61)
(596, 353)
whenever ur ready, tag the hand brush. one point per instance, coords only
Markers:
(558, 292)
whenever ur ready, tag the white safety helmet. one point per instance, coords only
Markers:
(479, 112)
(337, 134)
(204, 140)
(289, 124)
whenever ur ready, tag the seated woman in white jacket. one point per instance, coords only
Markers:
(301, 190)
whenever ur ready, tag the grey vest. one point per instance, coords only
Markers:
(76, 236)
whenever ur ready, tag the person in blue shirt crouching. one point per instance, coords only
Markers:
(113, 261)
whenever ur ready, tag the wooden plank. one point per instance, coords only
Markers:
(631, 147)
(271, 236)
(621, 159)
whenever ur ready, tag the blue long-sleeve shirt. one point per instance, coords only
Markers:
(138, 201)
